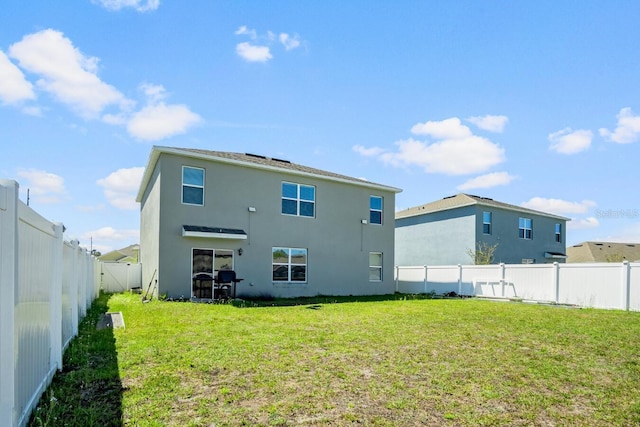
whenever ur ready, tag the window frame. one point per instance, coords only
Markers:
(376, 267)
(525, 228)
(201, 187)
(289, 264)
(298, 199)
(372, 209)
(558, 230)
(489, 224)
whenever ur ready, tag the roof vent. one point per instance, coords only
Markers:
(280, 160)
(255, 155)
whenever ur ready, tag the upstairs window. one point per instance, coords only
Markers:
(486, 222)
(559, 233)
(192, 186)
(298, 199)
(525, 228)
(375, 210)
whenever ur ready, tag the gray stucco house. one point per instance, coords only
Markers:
(286, 230)
(442, 232)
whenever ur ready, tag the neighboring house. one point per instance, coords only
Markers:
(443, 232)
(287, 230)
(603, 252)
(129, 254)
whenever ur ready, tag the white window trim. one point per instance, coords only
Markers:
(530, 228)
(381, 210)
(290, 265)
(298, 199)
(379, 267)
(490, 223)
(192, 186)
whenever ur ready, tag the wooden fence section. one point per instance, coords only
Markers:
(596, 285)
(46, 286)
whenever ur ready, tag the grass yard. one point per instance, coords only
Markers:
(458, 362)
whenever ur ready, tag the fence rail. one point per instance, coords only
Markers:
(596, 285)
(46, 286)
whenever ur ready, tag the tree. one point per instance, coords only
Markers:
(483, 253)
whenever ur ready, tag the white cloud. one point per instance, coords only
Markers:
(627, 131)
(121, 186)
(445, 129)
(159, 121)
(243, 30)
(457, 152)
(289, 42)
(44, 187)
(110, 233)
(253, 53)
(580, 224)
(487, 181)
(559, 206)
(66, 73)
(490, 123)
(368, 152)
(260, 47)
(14, 88)
(568, 141)
(139, 5)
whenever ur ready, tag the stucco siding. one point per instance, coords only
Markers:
(511, 249)
(440, 238)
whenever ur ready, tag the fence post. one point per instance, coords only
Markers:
(502, 279)
(459, 279)
(57, 264)
(73, 293)
(556, 281)
(9, 248)
(397, 277)
(626, 284)
(425, 279)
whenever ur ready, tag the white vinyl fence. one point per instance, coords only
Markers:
(46, 286)
(597, 285)
(120, 277)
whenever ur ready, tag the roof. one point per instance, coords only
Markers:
(603, 252)
(128, 254)
(461, 200)
(255, 161)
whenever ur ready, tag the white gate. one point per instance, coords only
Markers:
(120, 277)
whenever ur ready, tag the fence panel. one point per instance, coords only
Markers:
(33, 340)
(597, 285)
(121, 277)
(532, 281)
(634, 286)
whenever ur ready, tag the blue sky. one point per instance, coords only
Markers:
(531, 103)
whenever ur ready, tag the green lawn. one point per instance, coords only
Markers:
(392, 362)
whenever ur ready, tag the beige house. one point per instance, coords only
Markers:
(603, 252)
(285, 229)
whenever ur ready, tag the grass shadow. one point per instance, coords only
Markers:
(267, 301)
(87, 391)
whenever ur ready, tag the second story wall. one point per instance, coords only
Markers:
(438, 238)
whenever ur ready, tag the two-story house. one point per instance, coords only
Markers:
(285, 229)
(445, 231)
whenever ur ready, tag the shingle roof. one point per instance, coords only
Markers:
(603, 252)
(462, 200)
(255, 160)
